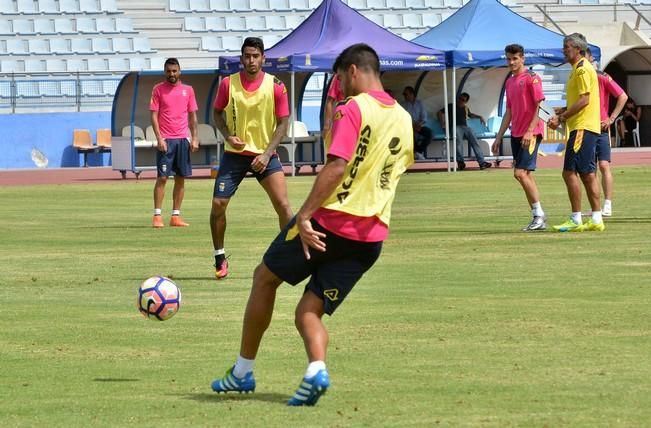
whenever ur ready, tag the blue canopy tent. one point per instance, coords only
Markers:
(332, 27)
(476, 34)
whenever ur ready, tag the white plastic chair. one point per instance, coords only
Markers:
(635, 133)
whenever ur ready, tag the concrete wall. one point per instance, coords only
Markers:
(27, 135)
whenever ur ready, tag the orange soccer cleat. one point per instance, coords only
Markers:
(157, 221)
(177, 221)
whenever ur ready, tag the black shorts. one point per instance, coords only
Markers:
(522, 157)
(580, 152)
(333, 273)
(234, 167)
(176, 161)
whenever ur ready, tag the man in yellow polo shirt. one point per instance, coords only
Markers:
(581, 118)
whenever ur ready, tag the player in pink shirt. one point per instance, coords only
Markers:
(173, 109)
(607, 88)
(335, 95)
(523, 96)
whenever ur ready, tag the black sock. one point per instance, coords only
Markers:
(219, 259)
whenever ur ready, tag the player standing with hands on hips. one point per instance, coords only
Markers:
(173, 108)
(337, 234)
(251, 111)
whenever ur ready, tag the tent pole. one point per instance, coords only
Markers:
(292, 116)
(454, 117)
(445, 106)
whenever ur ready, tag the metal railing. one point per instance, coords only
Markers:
(30, 92)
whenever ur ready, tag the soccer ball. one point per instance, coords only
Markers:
(159, 298)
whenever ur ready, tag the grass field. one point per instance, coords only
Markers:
(464, 320)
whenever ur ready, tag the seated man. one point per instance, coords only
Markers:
(464, 131)
(422, 134)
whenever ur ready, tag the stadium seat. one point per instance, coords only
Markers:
(44, 26)
(118, 64)
(8, 7)
(314, 3)
(291, 21)
(138, 63)
(299, 129)
(34, 65)
(122, 45)
(26, 7)
(109, 6)
(141, 45)
(5, 88)
(48, 6)
(215, 23)
(150, 135)
(27, 89)
(68, 6)
(301, 5)
(64, 26)
(89, 6)
(434, 4)
(110, 86)
(194, 24)
(23, 26)
(357, 4)
(236, 23)
(86, 25)
(275, 22)
(74, 64)
(156, 63)
(103, 139)
(17, 46)
(68, 87)
(59, 46)
(376, 4)
(393, 20)
(106, 25)
(271, 39)
(207, 135)
(101, 45)
(211, 43)
(256, 22)
(416, 4)
(97, 64)
(431, 19)
(81, 46)
(412, 20)
(82, 142)
(260, 5)
(49, 88)
(377, 18)
(220, 5)
(279, 5)
(236, 5)
(480, 130)
(232, 43)
(180, 5)
(199, 6)
(6, 28)
(396, 4)
(124, 25)
(11, 66)
(55, 65)
(91, 88)
(137, 132)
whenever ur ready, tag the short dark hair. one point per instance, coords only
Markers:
(171, 61)
(588, 52)
(360, 54)
(253, 42)
(465, 95)
(514, 49)
(409, 89)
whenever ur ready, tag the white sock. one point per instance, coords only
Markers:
(176, 212)
(218, 252)
(596, 217)
(576, 218)
(157, 211)
(242, 367)
(608, 203)
(536, 209)
(313, 368)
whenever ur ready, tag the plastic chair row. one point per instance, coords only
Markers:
(82, 142)
(52, 26)
(103, 45)
(187, 6)
(198, 24)
(78, 64)
(56, 7)
(208, 136)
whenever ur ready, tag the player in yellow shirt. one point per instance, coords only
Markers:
(337, 235)
(581, 118)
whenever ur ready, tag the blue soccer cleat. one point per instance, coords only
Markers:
(310, 390)
(231, 383)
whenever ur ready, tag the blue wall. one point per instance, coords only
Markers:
(51, 134)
